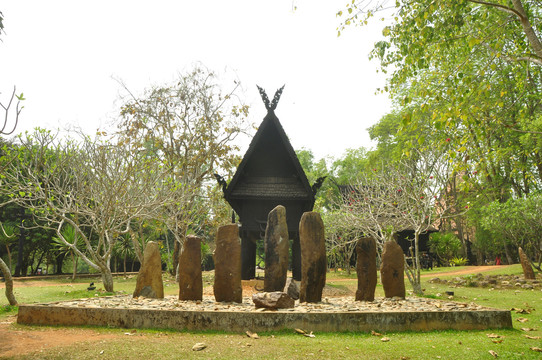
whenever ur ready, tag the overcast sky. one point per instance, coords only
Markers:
(65, 56)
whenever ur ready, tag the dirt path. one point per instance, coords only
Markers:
(467, 271)
(28, 341)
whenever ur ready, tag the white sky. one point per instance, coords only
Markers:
(64, 56)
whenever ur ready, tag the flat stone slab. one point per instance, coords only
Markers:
(330, 315)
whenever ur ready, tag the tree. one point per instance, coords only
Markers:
(188, 126)
(95, 186)
(517, 221)
(7, 270)
(409, 194)
(8, 236)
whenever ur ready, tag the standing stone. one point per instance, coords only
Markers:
(528, 272)
(366, 269)
(276, 250)
(227, 256)
(149, 279)
(392, 270)
(190, 280)
(313, 257)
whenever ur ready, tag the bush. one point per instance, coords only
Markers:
(445, 245)
(458, 261)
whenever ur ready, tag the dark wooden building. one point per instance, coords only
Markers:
(269, 175)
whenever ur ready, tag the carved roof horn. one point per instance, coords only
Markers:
(273, 105)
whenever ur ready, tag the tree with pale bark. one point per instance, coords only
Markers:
(411, 194)
(94, 186)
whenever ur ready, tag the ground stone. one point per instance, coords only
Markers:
(276, 250)
(291, 288)
(149, 279)
(392, 270)
(190, 279)
(227, 257)
(366, 269)
(273, 300)
(313, 257)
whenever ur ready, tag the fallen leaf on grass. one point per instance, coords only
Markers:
(385, 339)
(494, 336)
(374, 333)
(522, 319)
(528, 329)
(520, 311)
(493, 353)
(309, 335)
(252, 335)
(532, 337)
(299, 331)
(498, 341)
(534, 348)
(199, 346)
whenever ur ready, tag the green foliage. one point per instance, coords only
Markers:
(516, 221)
(445, 245)
(458, 261)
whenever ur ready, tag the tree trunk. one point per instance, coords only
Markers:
(124, 264)
(9, 283)
(9, 257)
(19, 271)
(175, 260)
(74, 262)
(59, 260)
(107, 279)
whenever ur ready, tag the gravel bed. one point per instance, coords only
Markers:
(328, 305)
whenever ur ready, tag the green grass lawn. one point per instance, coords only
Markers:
(512, 343)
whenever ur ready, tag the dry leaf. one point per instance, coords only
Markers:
(528, 329)
(494, 336)
(498, 341)
(521, 311)
(252, 335)
(299, 331)
(532, 337)
(198, 347)
(374, 333)
(309, 335)
(522, 319)
(534, 348)
(385, 339)
(493, 353)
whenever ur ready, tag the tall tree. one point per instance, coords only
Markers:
(189, 126)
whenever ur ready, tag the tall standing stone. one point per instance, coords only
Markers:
(227, 257)
(392, 270)
(149, 279)
(366, 269)
(313, 257)
(528, 272)
(190, 280)
(276, 250)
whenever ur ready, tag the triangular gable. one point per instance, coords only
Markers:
(271, 129)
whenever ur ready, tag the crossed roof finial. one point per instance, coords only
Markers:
(273, 105)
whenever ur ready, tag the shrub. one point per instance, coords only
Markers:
(458, 261)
